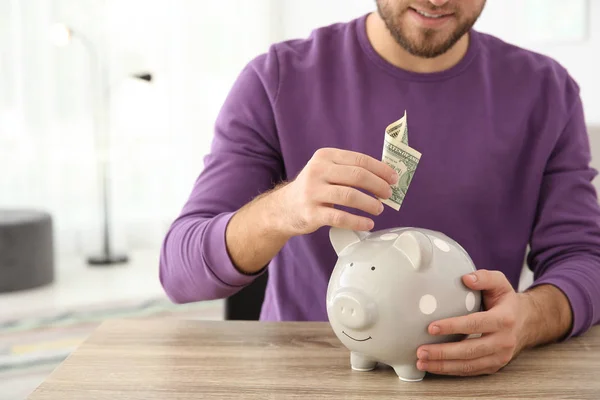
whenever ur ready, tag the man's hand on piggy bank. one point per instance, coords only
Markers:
(502, 329)
(333, 177)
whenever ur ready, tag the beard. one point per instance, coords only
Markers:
(425, 43)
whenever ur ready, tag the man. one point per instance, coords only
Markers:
(505, 164)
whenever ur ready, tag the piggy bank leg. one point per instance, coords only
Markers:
(409, 373)
(360, 362)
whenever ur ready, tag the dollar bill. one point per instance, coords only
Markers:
(399, 129)
(403, 159)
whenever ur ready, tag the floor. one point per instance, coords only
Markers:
(78, 286)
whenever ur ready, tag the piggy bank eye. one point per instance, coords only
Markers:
(351, 264)
(372, 268)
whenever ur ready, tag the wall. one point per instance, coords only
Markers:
(159, 132)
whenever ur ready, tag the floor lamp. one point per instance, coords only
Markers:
(62, 36)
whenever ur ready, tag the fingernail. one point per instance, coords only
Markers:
(390, 191)
(422, 366)
(473, 278)
(380, 208)
(435, 330)
(423, 354)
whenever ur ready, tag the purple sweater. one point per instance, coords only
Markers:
(505, 166)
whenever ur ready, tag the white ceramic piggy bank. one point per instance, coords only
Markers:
(388, 286)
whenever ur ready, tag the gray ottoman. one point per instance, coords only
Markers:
(26, 249)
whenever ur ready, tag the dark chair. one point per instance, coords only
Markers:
(246, 304)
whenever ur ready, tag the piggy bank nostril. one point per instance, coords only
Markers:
(353, 310)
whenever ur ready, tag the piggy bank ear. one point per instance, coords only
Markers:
(342, 238)
(417, 247)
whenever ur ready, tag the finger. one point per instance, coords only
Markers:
(347, 175)
(492, 281)
(345, 220)
(347, 157)
(463, 350)
(479, 322)
(350, 197)
(478, 366)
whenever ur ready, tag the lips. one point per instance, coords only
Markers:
(430, 19)
(431, 14)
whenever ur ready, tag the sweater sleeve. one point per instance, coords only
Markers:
(565, 243)
(244, 160)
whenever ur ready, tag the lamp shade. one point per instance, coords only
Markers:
(60, 34)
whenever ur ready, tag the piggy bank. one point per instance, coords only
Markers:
(388, 286)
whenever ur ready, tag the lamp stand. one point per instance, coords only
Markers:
(107, 256)
(101, 82)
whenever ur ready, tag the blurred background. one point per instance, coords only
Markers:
(139, 83)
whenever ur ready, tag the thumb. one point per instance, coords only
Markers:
(494, 283)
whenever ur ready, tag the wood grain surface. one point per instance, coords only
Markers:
(159, 359)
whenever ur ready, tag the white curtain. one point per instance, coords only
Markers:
(159, 131)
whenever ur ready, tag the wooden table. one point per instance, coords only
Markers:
(160, 359)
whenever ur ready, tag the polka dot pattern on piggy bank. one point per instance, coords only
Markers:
(388, 286)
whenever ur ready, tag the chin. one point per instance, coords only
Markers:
(425, 38)
(419, 36)
(429, 43)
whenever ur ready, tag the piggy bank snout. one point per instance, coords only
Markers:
(353, 309)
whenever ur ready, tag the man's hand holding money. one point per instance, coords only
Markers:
(331, 178)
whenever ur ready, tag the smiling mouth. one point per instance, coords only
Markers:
(358, 340)
(431, 15)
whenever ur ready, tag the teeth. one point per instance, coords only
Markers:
(429, 15)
